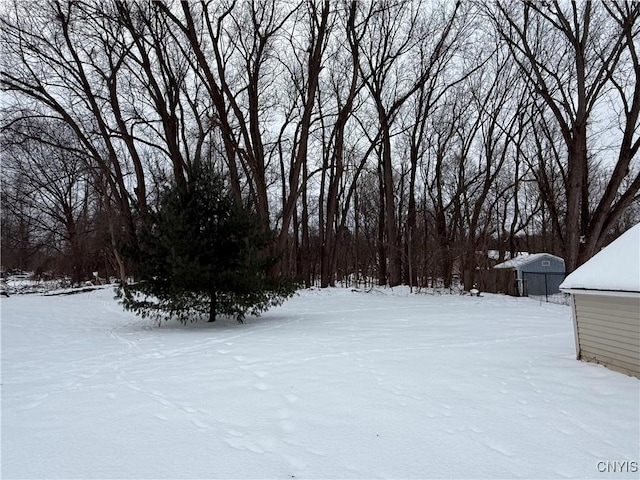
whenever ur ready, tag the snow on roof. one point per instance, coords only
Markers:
(615, 267)
(526, 259)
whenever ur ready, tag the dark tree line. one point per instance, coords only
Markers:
(386, 140)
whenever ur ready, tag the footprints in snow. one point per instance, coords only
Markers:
(283, 415)
(253, 379)
(195, 415)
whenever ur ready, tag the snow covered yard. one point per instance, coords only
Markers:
(333, 384)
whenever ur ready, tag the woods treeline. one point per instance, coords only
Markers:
(388, 139)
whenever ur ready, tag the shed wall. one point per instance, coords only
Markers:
(537, 278)
(609, 331)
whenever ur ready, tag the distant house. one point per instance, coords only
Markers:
(605, 297)
(534, 274)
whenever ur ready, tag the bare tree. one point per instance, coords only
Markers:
(577, 56)
(437, 54)
(397, 30)
(499, 102)
(392, 138)
(346, 85)
(53, 62)
(50, 188)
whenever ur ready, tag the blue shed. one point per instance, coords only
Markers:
(536, 274)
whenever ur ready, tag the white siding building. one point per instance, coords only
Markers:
(605, 294)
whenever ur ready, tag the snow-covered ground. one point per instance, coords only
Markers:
(333, 384)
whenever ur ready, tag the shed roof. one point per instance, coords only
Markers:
(616, 267)
(521, 260)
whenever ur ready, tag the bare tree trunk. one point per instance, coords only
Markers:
(382, 250)
(317, 46)
(213, 305)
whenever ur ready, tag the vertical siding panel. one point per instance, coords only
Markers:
(575, 325)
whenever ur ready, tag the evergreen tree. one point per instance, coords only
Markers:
(204, 255)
